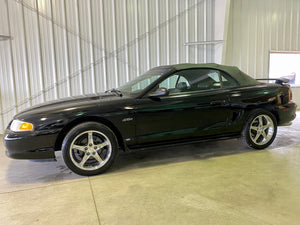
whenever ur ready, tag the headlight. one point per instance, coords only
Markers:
(18, 126)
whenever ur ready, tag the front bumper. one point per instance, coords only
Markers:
(286, 113)
(30, 145)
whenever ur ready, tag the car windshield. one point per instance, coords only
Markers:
(137, 85)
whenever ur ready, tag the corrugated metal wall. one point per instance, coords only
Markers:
(73, 47)
(258, 26)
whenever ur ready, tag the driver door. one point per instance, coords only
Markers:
(196, 106)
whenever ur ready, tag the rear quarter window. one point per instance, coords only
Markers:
(228, 81)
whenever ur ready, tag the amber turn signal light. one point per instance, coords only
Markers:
(26, 126)
(18, 126)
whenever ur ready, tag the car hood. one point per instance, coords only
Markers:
(69, 104)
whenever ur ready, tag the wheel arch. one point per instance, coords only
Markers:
(62, 134)
(267, 107)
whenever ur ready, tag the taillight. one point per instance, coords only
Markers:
(290, 93)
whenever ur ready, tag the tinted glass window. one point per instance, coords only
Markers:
(227, 81)
(183, 80)
(193, 80)
(199, 80)
(170, 82)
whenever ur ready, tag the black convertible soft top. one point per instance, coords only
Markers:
(236, 73)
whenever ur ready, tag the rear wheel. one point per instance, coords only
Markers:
(89, 148)
(260, 129)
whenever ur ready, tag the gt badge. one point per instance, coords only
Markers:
(127, 119)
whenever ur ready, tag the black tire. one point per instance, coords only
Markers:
(259, 130)
(89, 148)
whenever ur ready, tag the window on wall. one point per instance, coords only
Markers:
(285, 65)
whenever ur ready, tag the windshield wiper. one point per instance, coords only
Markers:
(115, 91)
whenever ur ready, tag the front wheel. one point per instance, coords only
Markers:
(260, 129)
(89, 148)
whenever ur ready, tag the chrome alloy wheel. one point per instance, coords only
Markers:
(261, 129)
(90, 150)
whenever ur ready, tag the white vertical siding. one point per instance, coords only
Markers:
(255, 28)
(62, 48)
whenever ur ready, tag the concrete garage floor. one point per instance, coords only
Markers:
(208, 183)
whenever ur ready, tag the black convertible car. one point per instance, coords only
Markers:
(167, 105)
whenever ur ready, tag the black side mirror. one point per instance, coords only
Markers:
(160, 92)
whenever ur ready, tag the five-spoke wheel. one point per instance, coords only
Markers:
(89, 148)
(260, 129)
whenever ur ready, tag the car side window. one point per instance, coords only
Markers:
(170, 82)
(227, 81)
(183, 80)
(175, 84)
(201, 79)
(205, 80)
(195, 80)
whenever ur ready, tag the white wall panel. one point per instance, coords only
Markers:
(7, 90)
(18, 56)
(255, 28)
(33, 53)
(62, 48)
